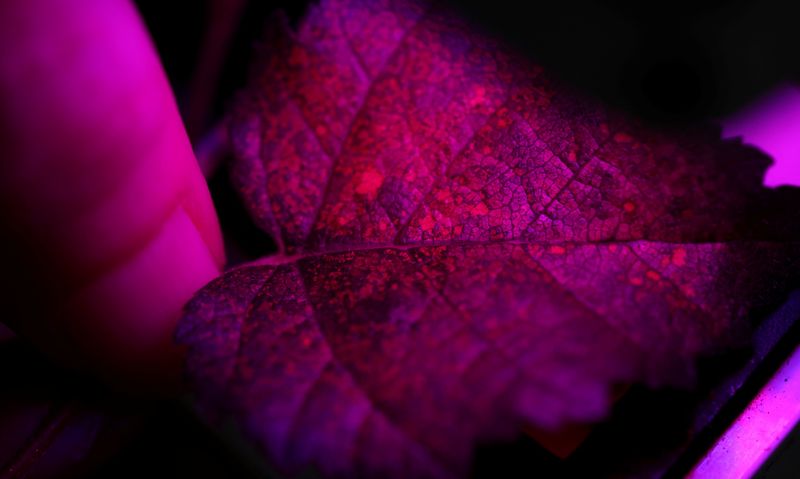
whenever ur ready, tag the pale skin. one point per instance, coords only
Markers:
(108, 224)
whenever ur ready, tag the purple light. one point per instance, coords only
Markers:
(759, 430)
(773, 125)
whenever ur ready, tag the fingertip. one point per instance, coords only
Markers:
(201, 211)
(124, 322)
(110, 224)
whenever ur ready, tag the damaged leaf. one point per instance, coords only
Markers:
(467, 247)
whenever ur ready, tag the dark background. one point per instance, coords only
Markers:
(674, 61)
(677, 61)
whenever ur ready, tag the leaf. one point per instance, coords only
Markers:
(467, 247)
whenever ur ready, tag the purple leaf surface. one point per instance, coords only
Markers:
(467, 247)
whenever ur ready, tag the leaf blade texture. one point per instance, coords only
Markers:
(467, 247)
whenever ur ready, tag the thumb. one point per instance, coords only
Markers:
(110, 223)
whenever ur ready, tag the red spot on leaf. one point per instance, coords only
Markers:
(427, 223)
(479, 209)
(621, 137)
(679, 257)
(653, 276)
(369, 183)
